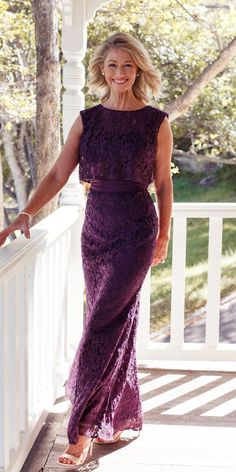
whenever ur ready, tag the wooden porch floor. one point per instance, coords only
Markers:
(189, 426)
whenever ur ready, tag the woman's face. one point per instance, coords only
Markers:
(120, 70)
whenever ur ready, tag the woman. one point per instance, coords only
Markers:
(122, 145)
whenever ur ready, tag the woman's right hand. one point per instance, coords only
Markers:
(20, 223)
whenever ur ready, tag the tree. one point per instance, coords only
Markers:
(179, 106)
(24, 161)
(48, 86)
(17, 104)
(1, 196)
(193, 45)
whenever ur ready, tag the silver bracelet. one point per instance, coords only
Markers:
(24, 213)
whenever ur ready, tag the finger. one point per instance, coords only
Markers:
(157, 260)
(26, 230)
(27, 233)
(154, 262)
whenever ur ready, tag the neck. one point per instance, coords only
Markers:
(123, 100)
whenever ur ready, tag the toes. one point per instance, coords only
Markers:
(64, 460)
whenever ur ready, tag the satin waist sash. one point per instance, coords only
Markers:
(116, 185)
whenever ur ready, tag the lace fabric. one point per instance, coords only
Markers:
(119, 144)
(117, 243)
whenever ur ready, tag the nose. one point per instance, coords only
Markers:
(120, 72)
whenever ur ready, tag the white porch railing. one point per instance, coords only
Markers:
(41, 317)
(41, 308)
(177, 349)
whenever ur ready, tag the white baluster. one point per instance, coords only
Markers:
(214, 281)
(21, 298)
(4, 378)
(12, 364)
(30, 372)
(178, 281)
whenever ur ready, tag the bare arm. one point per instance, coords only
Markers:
(52, 183)
(58, 175)
(163, 189)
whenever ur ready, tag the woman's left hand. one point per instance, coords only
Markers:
(160, 250)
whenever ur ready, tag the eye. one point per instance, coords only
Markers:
(129, 65)
(111, 65)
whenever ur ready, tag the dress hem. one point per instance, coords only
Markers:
(95, 431)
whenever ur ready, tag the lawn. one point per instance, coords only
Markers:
(187, 189)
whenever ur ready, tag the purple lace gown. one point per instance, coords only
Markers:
(117, 241)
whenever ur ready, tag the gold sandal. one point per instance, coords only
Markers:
(76, 460)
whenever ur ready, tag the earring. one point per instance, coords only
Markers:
(103, 73)
(137, 75)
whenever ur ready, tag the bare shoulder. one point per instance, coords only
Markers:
(69, 155)
(164, 131)
(79, 123)
(165, 124)
(77, 127)
(75, 132)
(164, 143)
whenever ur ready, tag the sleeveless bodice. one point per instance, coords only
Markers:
(118, 144)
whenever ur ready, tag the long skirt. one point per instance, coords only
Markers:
(117, 243)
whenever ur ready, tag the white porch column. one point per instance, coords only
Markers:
(73, 47)
(75, 15)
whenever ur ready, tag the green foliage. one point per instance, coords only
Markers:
(17, 61)
(182, 41)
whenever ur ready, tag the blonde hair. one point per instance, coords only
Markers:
(146, 83)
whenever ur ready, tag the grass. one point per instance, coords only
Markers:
(187, 189)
